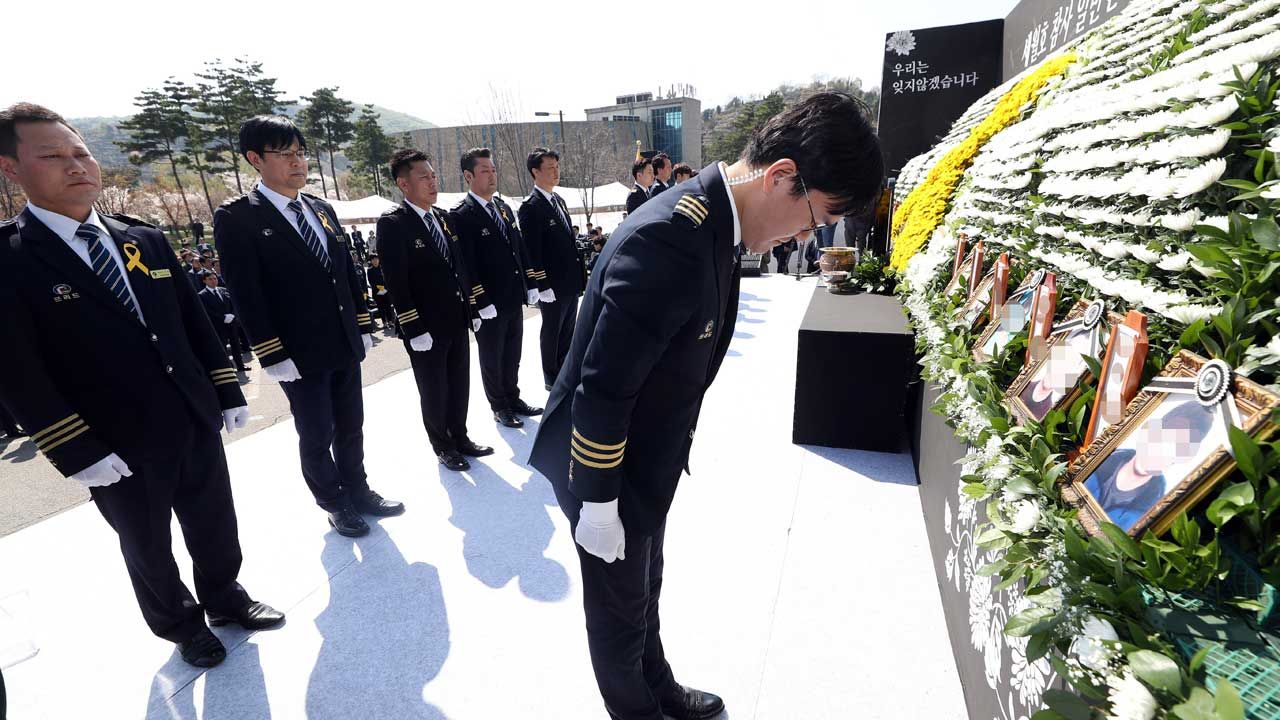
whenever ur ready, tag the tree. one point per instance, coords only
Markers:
(156, 133)
(730, 145)
(590, 161)
(226, 97)
(371, 148)
(327, 120)
(119, 194)
(11, 198)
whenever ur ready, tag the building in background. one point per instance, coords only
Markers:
(674, 121)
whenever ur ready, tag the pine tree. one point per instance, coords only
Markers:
(371, 148)
(327, 121)
(226, 98)
(156, 133)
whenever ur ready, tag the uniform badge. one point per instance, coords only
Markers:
(268, 232)
(551, 223)
(707, 332)
(484, 232)
(324, 220)
(161, 274)
(63, 292)
(419, 244)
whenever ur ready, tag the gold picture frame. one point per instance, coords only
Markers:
(1067, 335)
(988, 345)
(1198, 459)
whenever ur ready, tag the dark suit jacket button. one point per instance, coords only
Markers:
(168, 369)
(154, 338)
(340, 308)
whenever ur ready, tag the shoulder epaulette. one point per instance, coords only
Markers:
(693, 208)
(232, 201)
(129, 220)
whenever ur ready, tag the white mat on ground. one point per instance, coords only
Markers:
(798, 580)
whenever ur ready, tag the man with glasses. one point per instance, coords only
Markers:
(655, 323)
(289, 269)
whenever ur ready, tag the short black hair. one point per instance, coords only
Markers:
(269, 132)
(834, 147)
(24, 112)
(682, 169)
(660, 160)
(402, 162)
(469, 158)
(639, 166)
(537, 155)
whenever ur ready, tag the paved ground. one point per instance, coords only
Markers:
(31, 490)
(798, 584)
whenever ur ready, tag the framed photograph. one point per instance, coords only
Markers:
(1121, 371)
(962, 243)
(1011, 318)
(1043, 310)
(974, 309)
(1057, 379)
(1169, 449)
(961, 274)
(1000, 290)
(975, 268)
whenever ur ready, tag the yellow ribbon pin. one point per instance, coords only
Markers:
(134, 256)
(324, 220)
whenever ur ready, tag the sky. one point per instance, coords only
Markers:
(445, 62)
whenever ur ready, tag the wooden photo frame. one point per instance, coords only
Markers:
(1010, 318)
(973, 310)
(975, 267)
(1121, 372)
(1057, 378)
(1170, 448)
(961, 273)
(1043, 310)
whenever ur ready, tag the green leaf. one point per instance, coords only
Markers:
(1022, 486)
(1247, 453)
(1190, 336)
(1199, 706)
(1227, 701)
(1198, 659)
(1266, 233)
(1048, 715)
(1068, 704)
(1156, 670)
(1208, 254)
(1030, 621)
(1122, 540)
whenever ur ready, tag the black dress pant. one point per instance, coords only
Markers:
(328, 412)
(443, 374)
(558, 319)
(387, 312)
(621, 603)
(230, 337)
(195, 486)
(500, 341)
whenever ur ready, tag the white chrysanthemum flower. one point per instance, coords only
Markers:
(1181, 222)
(1114, 250)
(1129, 698)
(1175, 263)
(1190, 313)
(1143, 253)
(1025, 514)
(1090, 646)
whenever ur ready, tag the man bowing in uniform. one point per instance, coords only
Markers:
(112, 365)
(655, 324)
(429, 286)
(291, 274)
(553, 254)
(502, 282)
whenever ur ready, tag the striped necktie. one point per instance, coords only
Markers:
(493, 212)
(309, 234)
(441, 246)
(563, 210)
(106, 266)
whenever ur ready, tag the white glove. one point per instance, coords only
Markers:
(531, 297)
(422, 343)
(382, 292)
(367, 338)
(488, 312)
(226, 319)
(600, 531)
(235, 419)
(547, 296)
(475, 324)
(106, 471)
(283, 372)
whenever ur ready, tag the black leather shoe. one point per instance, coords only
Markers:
(693, 705)
(454, 461)
(203, 649)
(508, 418)
(520, 407)
(254, 616)
(348, 523)
(471, 449)
(371, 503)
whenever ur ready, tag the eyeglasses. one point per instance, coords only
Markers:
(816, 225)
(288, 154)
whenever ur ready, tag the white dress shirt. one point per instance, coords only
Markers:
(551, 199)
(65, 228)
(728, 189)
(281, 203)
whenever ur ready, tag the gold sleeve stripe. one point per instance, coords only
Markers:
(598, 456)
(595, 445)
(268, 349)
(38, 436)
(265, 343)
(226, 381)
(596, 465)
(222, 375)
(407, 313)
(52, 440)
(72, 436)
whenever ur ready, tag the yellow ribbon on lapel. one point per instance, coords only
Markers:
(134, 256)
(324, 220)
